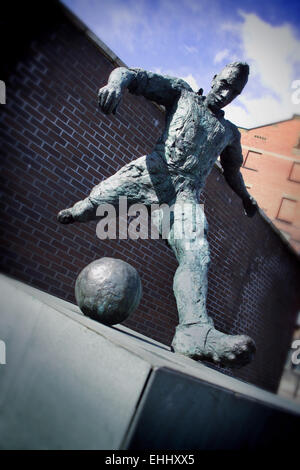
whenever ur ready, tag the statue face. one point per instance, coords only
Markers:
(226, 86)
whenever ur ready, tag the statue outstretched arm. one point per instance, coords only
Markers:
(164, 90)
(231, 161)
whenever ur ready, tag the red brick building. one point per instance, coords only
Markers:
(271, 170)
(56, 145)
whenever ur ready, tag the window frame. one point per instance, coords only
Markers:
(246, 158)
(277, 216)
(291, 171)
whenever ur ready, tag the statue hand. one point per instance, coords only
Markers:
(250, 206)
(109, 98)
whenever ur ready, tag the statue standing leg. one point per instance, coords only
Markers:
(195, 335)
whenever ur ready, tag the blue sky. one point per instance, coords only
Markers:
(194, 39)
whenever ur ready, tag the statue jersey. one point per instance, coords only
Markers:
(194, 137)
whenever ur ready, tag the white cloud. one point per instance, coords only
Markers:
(124, 20)
(230, 26)
(190, 79)
(191, 49)
(272, 52)
(221, 55)
(260, 111)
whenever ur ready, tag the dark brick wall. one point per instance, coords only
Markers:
(56, 146)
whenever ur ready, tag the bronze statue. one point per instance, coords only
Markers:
(195, 134)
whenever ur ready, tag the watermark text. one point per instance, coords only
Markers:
(181, 221)
(296, 354)
(296, 94)
(2, 352)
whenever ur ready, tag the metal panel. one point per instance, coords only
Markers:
(179, 412)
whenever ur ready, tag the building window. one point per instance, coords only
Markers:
(287, 210)
(252, 160)
(295, 172)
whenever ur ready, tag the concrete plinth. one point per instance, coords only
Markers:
(71, 383)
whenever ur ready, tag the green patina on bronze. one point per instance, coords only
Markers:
(195, 134)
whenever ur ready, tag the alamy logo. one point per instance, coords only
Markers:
(2, 92)
(2, 352)
(296, 354)
(181, 221)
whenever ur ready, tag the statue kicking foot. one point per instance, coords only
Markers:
(201, 341)
(65, 216)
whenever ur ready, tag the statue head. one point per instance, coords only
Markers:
(228, 84)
